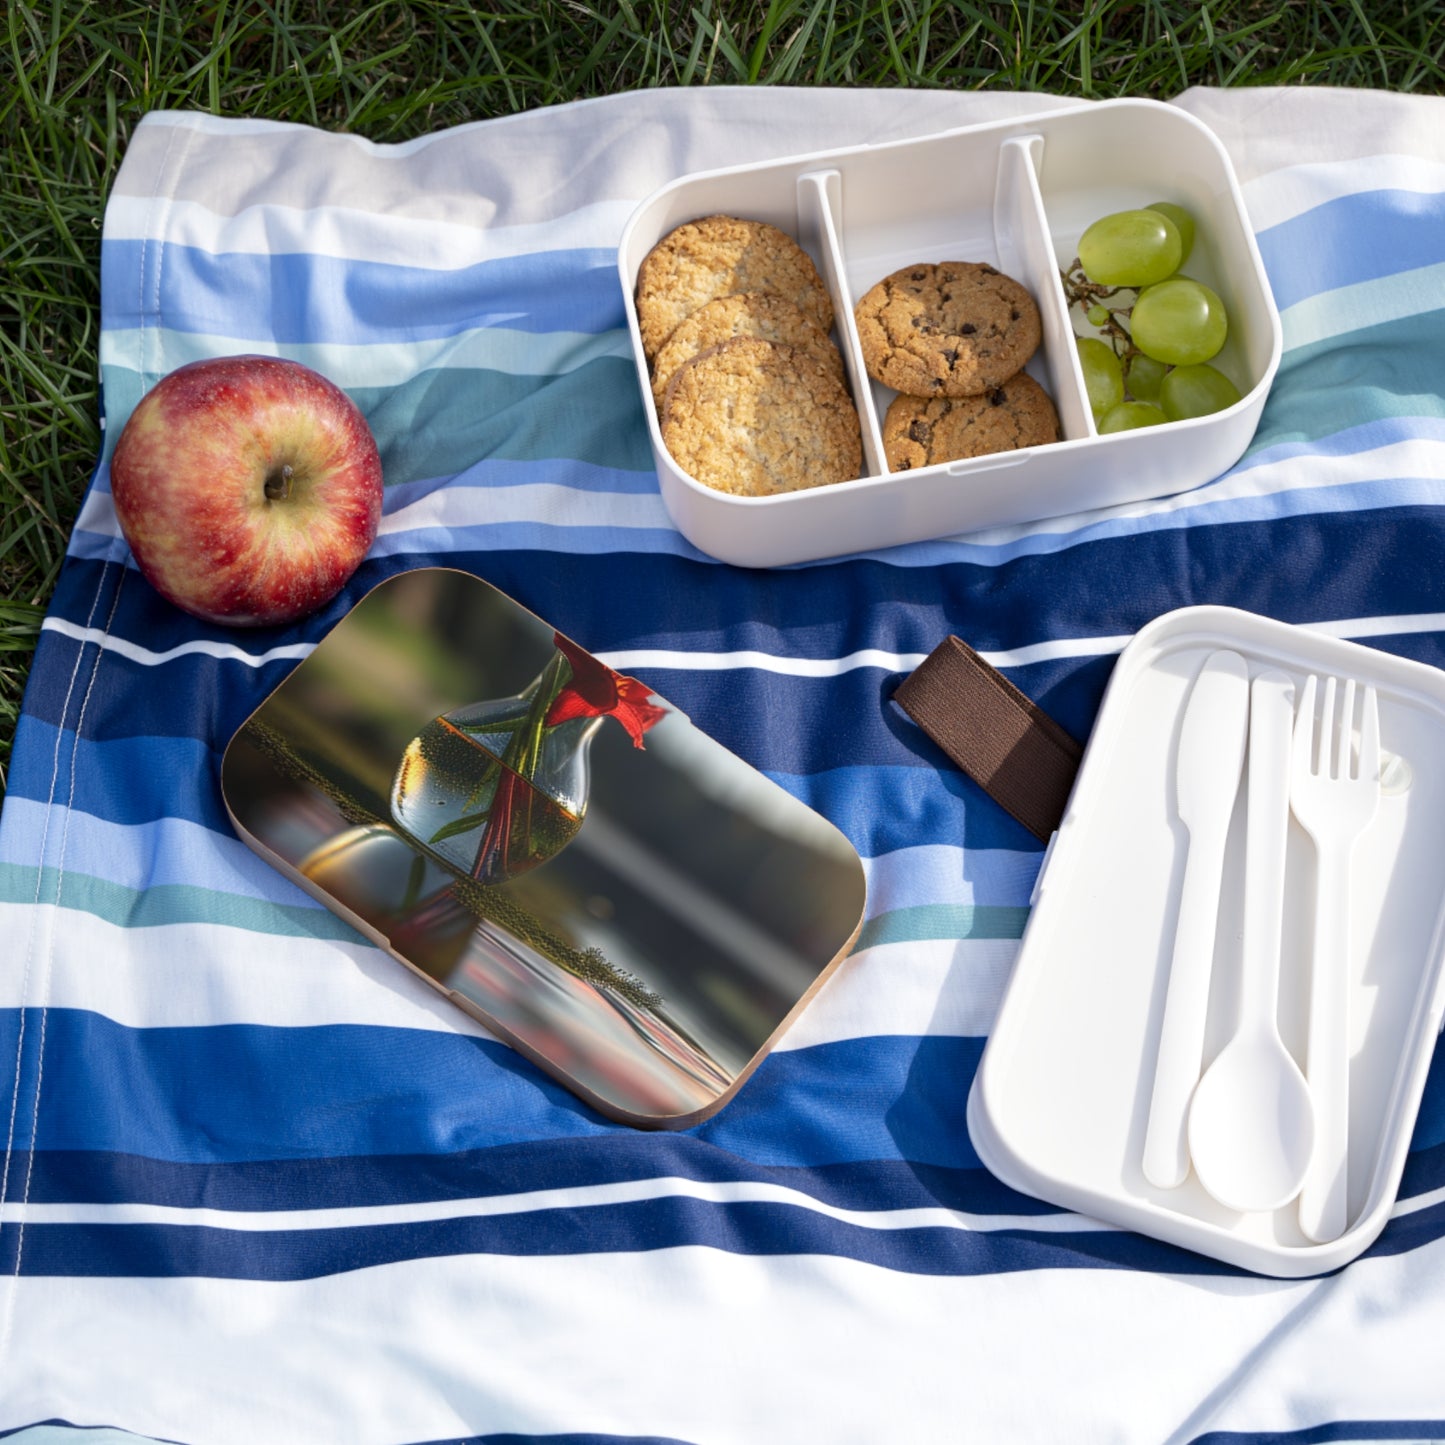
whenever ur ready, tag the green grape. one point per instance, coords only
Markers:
(1196, 391)
(1144, 376)
(1103, 376)
(1131, 414)
(1179, 322)
(1098, 315)
(1130, 248)
(1183, 223)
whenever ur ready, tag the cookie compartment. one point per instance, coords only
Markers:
(1014, 195)
(958, 197)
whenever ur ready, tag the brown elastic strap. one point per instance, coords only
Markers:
(1009, 746)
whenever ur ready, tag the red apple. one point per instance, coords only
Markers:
(249, 489)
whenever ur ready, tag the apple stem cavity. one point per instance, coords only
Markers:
(278, 484)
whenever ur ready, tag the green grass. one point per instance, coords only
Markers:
(76, 77)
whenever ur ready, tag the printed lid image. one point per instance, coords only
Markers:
(548, 843)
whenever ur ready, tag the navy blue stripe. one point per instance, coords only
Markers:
(755, 1229)
(73, 1177)
(567, 1439)
(752, 1228)
(1339, 565)
(509, 1438)
(205, 1094)
(1415, 1431)
(127, 780)
(1353, 238)
(300, 297)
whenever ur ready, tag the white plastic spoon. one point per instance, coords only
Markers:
(1251, 1122)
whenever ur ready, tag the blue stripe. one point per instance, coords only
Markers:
(1417, 1432)
(211, 1093)
(159, 854)
(208, 1095)
(755, 1229)
(1350, 239)
(560, 538)
(140, 780)
(618, 1157)
(126, 780)
(443, 423)
(63, 1432)
(1348, 565)
(300, 297)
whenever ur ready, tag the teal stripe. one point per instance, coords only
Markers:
(438, 423)
(943, 920)
(167, 903)
(1375, 374)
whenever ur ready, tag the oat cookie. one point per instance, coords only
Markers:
(748, 313)
(753, 418)
(956, 328)
(918, 432)
(717, 256)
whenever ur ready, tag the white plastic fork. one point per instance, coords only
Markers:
(1334, 796)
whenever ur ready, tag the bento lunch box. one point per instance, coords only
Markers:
(1016, 195)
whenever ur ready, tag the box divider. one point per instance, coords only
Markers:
(1026, 251)
(820, 219)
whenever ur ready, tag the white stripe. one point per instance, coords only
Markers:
(1362, 305)
(696, 1343)
(664, 659)
(591, 1196)
(201, 647)
(426, 243)
(1284, 194)
(925, 988)
(1418, 1202)
(192, 975)
(595, 1196)
(185, 975)
(544, 502)
(354, 366)
(628, 660)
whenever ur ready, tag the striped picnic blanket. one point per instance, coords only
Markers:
(258, 1184)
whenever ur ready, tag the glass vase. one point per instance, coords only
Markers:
(492, 790)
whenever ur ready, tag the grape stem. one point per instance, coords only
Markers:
(1085, 294)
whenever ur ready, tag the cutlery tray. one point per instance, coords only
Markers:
(1060, 1105)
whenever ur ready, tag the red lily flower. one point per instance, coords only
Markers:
(596, 691)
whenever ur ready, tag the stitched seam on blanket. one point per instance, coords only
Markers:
(30, 956)
(164, 190)
(35, 925)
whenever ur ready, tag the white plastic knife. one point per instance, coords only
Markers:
(1210, 760)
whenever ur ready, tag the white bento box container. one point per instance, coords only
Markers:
(1016, 195)
(1060, 1104)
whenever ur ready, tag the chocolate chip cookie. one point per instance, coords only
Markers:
(717, 256)
(754, 418)
(749, 313)
(955, 328)
(918, 432)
